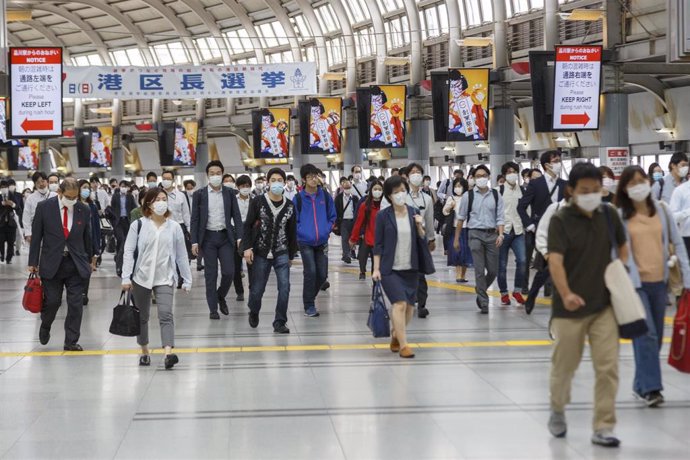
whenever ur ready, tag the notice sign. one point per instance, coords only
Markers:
(617, 158)
(36, 92)
(577, 85)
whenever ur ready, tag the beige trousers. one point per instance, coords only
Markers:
(570, 334)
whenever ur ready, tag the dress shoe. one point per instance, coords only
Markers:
(44, 335)
(281, 329)
(9, 262)
(214, 315)
(362, 276)
(145, 360)
(406, 353)
(484, 310)
(170, 361)
(422, 312)
(240, 297)
(325, 286)
(253, 320)
(74, 347)
(529, 305)
(223, 306)
(200, 268)
(395, 345)
(347, 260)
(85, 300)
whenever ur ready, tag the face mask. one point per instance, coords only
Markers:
(471, 182)
(458, 190)
(427, 183)
(589, 201)
(357, 176)
(399, 198)
(259, 185)
(347, 191)
(608, 183)
(123, 190)
(511, 178)
(85, 193)
(639, 192)
(13, 188)
(556, 168)
(416, 179)
(135, 194)
(160, 207)
(215, 181)
(482, 182)
(377, 194)
(3, 191)
(683, 171)
(166, 183)
(228, 184)
(277, 188)
(245, 191)
(151, 185)
(53, 187)
(290, 185)
(69, 204)
(658, 176)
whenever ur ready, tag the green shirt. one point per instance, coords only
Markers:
(586, 248)
(135, 214)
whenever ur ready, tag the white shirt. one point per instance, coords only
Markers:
(102, 198)
(70, 216)
(177, 205)
(216, 210)
(153, 268)
(425, 205)
(243, 203)
(680, 206)
(30, 209)
(290, 194)
(403, 247)
(551, 185)
(512, 221)
(348, 206)
(542, 235)
(360, 188)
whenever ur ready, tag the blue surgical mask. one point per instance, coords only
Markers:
(85, 193)
(277, 188)
(658, 176)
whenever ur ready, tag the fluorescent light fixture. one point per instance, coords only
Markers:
(476, 41)
(449, 148)
(177, 102)
(521, 142)
(396, 60)
(562, 139)
(482, 145)
(18, 15)
(583, 14)
(101, 110)
(664, 130)
(333, 76)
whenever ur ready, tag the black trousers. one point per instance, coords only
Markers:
(8, 235)
(422, 291)
(69, 279)
(542, 277)
(237, 279)
(365, 252)
(120, 230)
(529, 248)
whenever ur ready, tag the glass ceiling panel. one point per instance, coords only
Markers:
(387, 6)
(488, 10)
(474, 17)
(326, 17)
(303, 29)
(357, 10)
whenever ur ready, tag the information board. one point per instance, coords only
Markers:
(617, 158)
(577, 86)
(36, 92)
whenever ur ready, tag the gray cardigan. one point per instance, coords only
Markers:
(666, 217)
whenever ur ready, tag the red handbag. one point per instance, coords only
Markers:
(679, 356)
(33, 294)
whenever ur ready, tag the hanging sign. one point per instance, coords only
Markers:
(577, 87)
(191, 82)
(35, 92)
(617, 158)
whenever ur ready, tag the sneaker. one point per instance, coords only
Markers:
(362, 276)
(144, 360)
(422, 312)
(325, 286)
(557, 425)
(605, 438)
(462, 281)
(253, 320)
(281, 329)
(347, 260)
(518, 298)
(311, 312)
(170, 361)
(651, 399)
(505, 299)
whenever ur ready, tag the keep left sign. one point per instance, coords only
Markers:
(35, 92)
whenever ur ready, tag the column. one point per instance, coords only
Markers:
(78, 113)
(3, 36)
(296, 159)
(201, 162)
(613, 125)
(118, 166)
(551, 36)
(418, 143)
(500, 38)
(156, 111)
(44, 163)
(501, 139)
(351, 152)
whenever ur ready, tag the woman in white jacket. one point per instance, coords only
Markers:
(155, 245)
(459, 258)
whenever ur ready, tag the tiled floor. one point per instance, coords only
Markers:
(475, 397)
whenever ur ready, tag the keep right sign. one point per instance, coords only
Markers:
(577, 88)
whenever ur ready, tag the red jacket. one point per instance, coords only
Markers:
(369, 234)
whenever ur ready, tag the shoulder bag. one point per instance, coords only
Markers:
(679, 356)
(378, 321)
(126, 321)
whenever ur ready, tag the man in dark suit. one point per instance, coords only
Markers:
(62, 254)
(540, 194)
(214, 235)
(121, 204)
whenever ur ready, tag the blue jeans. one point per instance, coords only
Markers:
(647, 347)
(261, 269)
(517, 244)
(315, 262)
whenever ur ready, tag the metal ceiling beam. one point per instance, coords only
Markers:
(282, 17)
(379, 40)
(210, 22)
(650, 84)
(416, 44)
(321, 52)
(655, 68)
(454, 33)
(50, 36)
(351, 56)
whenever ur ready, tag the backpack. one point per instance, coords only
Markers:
(298, 202)
(470, 200)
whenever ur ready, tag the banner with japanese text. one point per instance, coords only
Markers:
(190, 82)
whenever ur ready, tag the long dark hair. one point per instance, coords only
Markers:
(622, 199)
(370, 196)
(83, 182)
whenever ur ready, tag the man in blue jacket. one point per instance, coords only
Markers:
(315, 218)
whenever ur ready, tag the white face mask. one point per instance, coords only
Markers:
(683, 171)
(69, 204)
(399, 198)
(589, 201)
(13, 188)
(53, 187)
(639, 192)
(556, 168)
(608, 183)
(166, 183)
(160, 207)
(471, 182)
(416, 179)
(245, 191)
(458, 191)
(228, 184)
(427, 183)
(259, 186)
(482, 182)
(151, 185)
(377, 194)
(290, 185)
(3, 191)
(215, 181)
(123, 190)
(511, 178)
(357, 176)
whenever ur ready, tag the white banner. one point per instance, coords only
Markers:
(577, 87)
(190, 82)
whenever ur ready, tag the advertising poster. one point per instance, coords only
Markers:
(617, 158)
(101, 147)
(185, 143)
(273, 126)
(325, 115)
(387, 116)
(468, 105)
(27, 155)
(577, 88)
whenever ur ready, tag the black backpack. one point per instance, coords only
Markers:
(470, 200)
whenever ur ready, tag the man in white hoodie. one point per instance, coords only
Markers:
(41, 193)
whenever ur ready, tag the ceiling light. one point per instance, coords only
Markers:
(583, 14)
(664, 130)
(562, 139)
(449, 148)
(333, 76)
(521, 142)
(101, 110)
(482, 145)
(396, 60)
(18, 15)
(476, 41)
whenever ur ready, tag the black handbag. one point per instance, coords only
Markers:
(126, 321)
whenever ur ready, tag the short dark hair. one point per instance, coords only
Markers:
(308, 170)
(483, 168)
(149, 198)
(225, 176)
(38, 175)
(427, 177)
(11, 181)
(459, 171)
(54, 175)
(94, 179)
(395, 170)
(403, 171)
(344, 179)
(168, 171)
(583, 171)
(243, 180)
(526, 172)
(3, 183)
(263, 178)
(508, 165)
(291, 177)
(352, 169)
(124, 183)
(677, 158)
(391, 184)
(411, 166)
(189, 182)
(623, 201)
(606, 171)
(151, 174)
(547, 156)
(278, 171)
(215, 163)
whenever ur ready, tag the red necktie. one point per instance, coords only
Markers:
(65, 228)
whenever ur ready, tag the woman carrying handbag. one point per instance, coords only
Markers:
(154, 247)
(400, 254)
(651, 231)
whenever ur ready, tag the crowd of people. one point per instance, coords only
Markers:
(566, 229)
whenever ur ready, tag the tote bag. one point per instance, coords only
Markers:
(126, 321)
(378, 321)
(679, 356)
(33, 294)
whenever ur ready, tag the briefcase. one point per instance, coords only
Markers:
(126, 321)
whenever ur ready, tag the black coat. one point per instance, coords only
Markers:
(200, 215)
(538, 198)
(116, 206)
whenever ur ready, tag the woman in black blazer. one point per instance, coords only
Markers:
(396, 259)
